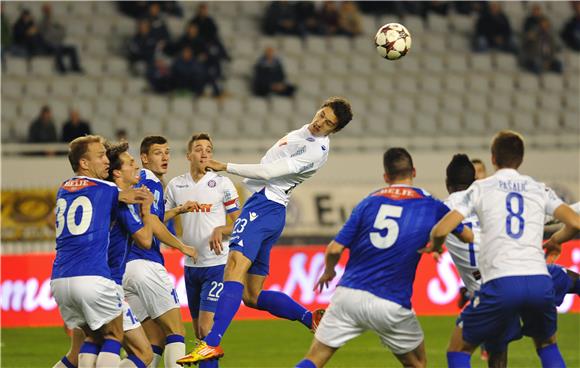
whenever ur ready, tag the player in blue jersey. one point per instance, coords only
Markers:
(81, 280)
(288, 163)
(147, 285)
(384, 234)
(516, 283)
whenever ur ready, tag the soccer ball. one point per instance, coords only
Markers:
(393, 41)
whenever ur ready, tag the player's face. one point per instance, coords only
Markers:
(324, 122)
(480, 172)
(157, 159)
(201, 151)
(129, 169)
(96, 162)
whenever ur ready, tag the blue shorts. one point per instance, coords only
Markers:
(203, 286)
(494, 315)
(256, 230)
(562, 282)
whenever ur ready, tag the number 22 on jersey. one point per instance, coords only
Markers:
(66, 216)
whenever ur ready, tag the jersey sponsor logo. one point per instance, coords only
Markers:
(204, 207)
(253, 216)
(398, 193)
(211, 183)
(240, 243)
(310, 139)
(74, 185)
(299, 152)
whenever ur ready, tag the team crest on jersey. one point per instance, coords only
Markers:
(323, 147)
(211, 183)
(74, 185)
(310, 139)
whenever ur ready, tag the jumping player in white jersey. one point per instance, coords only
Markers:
(81, 279)
(289, 162)
(148, 288)
(516, 283)
(216, 198)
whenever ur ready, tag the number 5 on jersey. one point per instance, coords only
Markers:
(384, 220)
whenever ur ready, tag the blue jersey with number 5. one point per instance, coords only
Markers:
(384, 233)
(84, 209)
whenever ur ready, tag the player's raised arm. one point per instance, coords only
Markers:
(445, 226)
(331, 257)
(268, 171)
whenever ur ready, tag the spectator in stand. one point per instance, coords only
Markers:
(6, 34)
(307, 18)
(280, 18)
(188, 73)
(74, 127)
(54, 34)
(209, 32)
(159, 76)
(329, 16)
(27, 38)
(42, 129)
(192, 39)
(571, 31)
(349, 19)
(159, 29)
(493, 30)
(269, 77)
(134, 9)
(540, 48)
(143, 45)
(533, 20)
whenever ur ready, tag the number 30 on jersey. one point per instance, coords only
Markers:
(66, 216)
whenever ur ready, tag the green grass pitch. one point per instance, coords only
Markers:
(283, 344)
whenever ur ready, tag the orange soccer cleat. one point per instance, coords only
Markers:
(316, 317)
(201, 352)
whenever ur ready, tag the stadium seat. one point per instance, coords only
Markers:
(62, 87)
(497, 121)
(434, 43)
(82, 9)
(552, 83)
(9, 109)
(206, 107)
(570, 123)
(571, 101)
(528, 82)
(438, 24)
(332, 86)
(93, 67)
(414, 24)
(132, 108)
(433, 63)
(501, 102)
(474, 123)
(428, 104)
(276, 127)
(105, 126)
(308, 87)
(462, 24)
(337, 66)
(313, 67)
(8, 135)
(78, 26)
(232, 108)
(358, 127)
(550, 102)
(241, 66)
(112, 87)
(281, 106)
(116, 66)
(106, 107)
(358, 86)
(85, 107)
(477, 83)
(455, 83)
(306, 106)
(481, 63)
(547, 122)
(157, 106)
(476, 102)
(403, 104)
(361, 66)
(134, 86)
(291, 67)
(95, 47)
(229, 128)
(316, 45)
(182, 107)
(400, 124)
(12, 87)
(239, 87)
(30, 109)
(16, 67)
(151, 126)
(256, 107)
(431, 83)
(525, 101)
(86, 87)
(450, 123)
(42, 66)
(523, 122)
(60, 110)
(456, 63)
(451, 103)
(202, 124)
(340, 46)
(502, 82)
(459, 43)
(426, 123)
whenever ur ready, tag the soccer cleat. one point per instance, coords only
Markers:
(316, 317)
(201, 352)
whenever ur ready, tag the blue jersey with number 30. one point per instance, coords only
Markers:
(84, 209)
(384, 233)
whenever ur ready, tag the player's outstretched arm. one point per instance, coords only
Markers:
(164, 235)
(269, 171)
(440, 231)
(331, 257)
(215, 240)
(570, 219)
(133, 195)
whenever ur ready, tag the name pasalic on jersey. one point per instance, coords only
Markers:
(512, 186)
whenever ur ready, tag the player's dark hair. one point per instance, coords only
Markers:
(508, 149)
(198, 137)
(460, 173)
(114, 152)
(477, 161)
(398, 163)
(150, 140)
(341, 108)
(78, 147)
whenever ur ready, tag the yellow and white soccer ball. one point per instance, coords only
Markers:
(393, 41)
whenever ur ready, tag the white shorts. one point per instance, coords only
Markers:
(148, 289)
(353, 312)
(86, 300)
(468, 277)
(130, 321)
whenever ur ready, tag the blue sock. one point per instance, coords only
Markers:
(458, 360)
(228, 305)
(138, 362)
(90, 348)
(576, 287)
(111, 346)
(281, 305)
(209, 364)
(157, 349)
(305, 363)
(67, 362)
(551, 357)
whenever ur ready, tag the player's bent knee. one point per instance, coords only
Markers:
(250, 299)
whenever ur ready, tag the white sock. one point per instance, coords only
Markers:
(59, 364)
(108, 360)
(87, 360)
(155, 362)
(126, 363)
(174, 351)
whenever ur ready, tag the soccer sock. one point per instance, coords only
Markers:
(157, 356)
(281, 305)
(305, 363)
(64, 363)
(132, 361)
(576, 287)
(551, 357)
(88, 355)
(458, 360)
(174, 349)
(109, 355)
(209, 364)
(227, 306)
